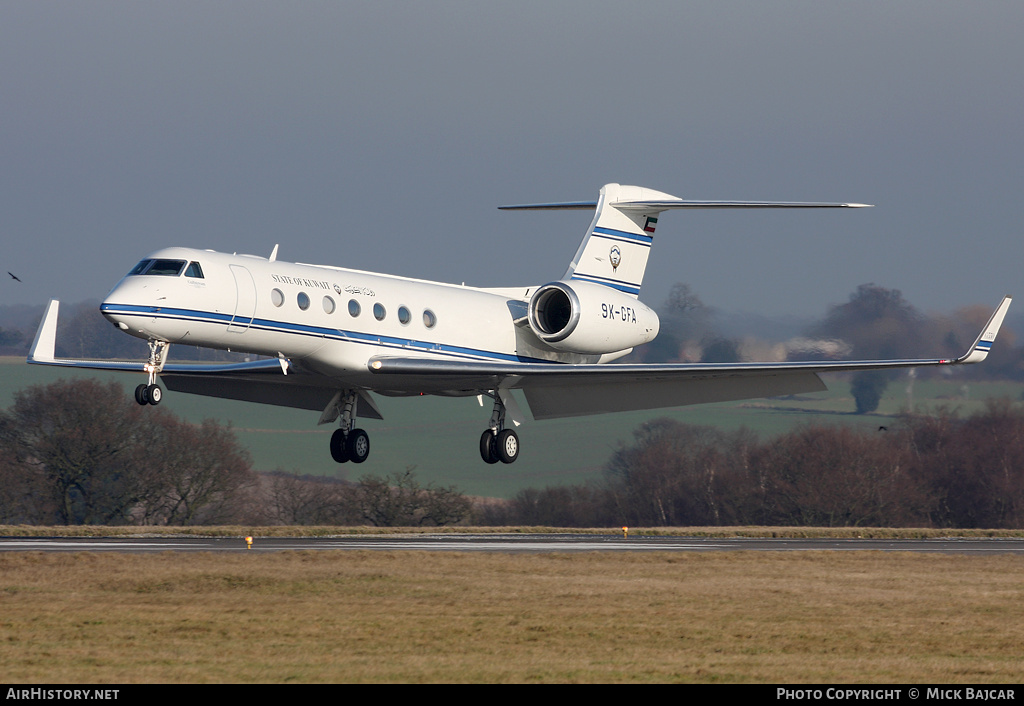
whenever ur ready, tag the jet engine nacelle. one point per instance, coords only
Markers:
(582, 317)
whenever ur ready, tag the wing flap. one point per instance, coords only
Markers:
(552, 402)
(262, 386)
(248, 389)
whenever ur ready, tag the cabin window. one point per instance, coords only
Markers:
(353, 308)
(429, 319)
(379, 312)
(328, 305)
(277, 297)
(168, 268)
(303, 300)
(194, 270)
(403, 315)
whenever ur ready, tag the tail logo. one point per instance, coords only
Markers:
(615, 256)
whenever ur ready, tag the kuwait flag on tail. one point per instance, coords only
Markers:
(650, 224)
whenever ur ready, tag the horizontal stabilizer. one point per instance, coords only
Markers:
(666, 205)
(560, 206)
(634, 198)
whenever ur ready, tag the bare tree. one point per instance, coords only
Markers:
(877, 323)
(198, 474)
(400, 501)
(307, 500)
(77, 439)
(98, 458)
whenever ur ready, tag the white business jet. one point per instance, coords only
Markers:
(334, 336)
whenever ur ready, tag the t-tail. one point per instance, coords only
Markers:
(615, 249)
(616, 246)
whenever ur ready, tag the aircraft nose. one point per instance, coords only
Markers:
(126, 300)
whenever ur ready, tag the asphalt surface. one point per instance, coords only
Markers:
(508, 543)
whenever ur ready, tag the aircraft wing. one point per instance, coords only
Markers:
(561, 390)
(553, 390)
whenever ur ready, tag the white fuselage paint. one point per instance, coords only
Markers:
(233, 307)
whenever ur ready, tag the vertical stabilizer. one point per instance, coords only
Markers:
(615, 249)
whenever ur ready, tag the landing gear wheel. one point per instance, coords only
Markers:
(507, 446)
(140, 395)
(154, 394)
(339, 452)
(357, 445)
(487, 451)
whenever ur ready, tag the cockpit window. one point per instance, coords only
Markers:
(194, 270)
(171, 268)
(168, 268)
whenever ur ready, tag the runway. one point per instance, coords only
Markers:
(537, 543)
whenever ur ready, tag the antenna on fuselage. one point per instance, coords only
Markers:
(273, 255)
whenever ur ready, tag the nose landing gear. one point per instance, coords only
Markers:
(150, 392)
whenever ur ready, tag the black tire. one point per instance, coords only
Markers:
(487, 450)
(506, 445)
(154, 394)
(339, 451)
(140, 395)
(357, 445)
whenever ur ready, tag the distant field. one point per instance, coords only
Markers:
(439, 436)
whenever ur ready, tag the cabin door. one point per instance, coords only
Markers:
(245, 304)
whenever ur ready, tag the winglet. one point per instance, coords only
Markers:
(46, 335)
(979, 351)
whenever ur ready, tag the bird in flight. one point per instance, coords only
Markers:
(14, 276)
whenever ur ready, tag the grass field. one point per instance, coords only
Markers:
(439, 436)
(308, 617)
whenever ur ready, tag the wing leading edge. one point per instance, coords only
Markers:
(565, 390)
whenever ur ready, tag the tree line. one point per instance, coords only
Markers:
(923, 471)
(82, 452)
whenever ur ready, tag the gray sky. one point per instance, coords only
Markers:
(382, 136)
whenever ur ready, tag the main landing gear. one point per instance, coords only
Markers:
(498, 443)
(348, 444)
(150, 392)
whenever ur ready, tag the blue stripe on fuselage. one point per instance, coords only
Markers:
(315, 331)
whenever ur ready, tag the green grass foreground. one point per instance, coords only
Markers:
(369, 616)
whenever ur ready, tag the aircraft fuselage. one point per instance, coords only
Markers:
(331, 320)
